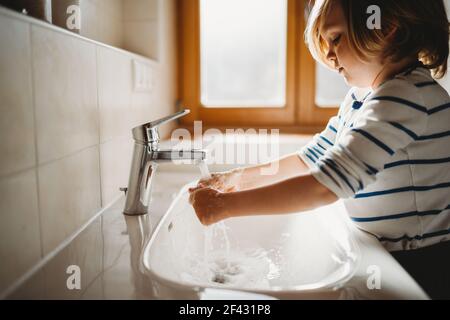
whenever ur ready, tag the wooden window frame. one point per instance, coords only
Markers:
(300, 113)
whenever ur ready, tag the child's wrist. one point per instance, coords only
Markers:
(227, 201)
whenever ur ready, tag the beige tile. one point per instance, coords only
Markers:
(110, 22)
(144, 102)
(114, 90)
(141, 104)
(115, 162)
(65, 92)
(20, 245)
(16, 104)
(50, 282)
(140, 10)
(102, 21)
(89, 26)
(141, 37)
(86, 252)
(69, 192)
(94, 290)
(32, 289)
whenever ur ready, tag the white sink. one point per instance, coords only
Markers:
(277, 255)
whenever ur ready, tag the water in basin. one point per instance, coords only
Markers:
(297, 252)
(220, 265)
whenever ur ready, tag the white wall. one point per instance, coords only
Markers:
(68, 107)
(129, 24)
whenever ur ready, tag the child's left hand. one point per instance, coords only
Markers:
(208, 205)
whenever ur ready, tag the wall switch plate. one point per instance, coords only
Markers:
(143, 77)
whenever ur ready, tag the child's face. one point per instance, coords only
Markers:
(341, 56)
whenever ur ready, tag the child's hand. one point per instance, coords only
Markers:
(208, 205)
(222, 181)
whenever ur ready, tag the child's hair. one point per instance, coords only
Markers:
(416, 29)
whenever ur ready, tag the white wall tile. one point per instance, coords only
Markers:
(115, 162)
(114, 93)
(20, 247)
(65, 93)
(140, 10)
(141, 104)
(69, 194)
(32, 289)
(49, 282)
(141, 37)
(109, 21)
(17, 139)
(89, 25)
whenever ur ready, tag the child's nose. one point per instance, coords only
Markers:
(331, 56)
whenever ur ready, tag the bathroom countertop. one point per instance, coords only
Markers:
(108, 253)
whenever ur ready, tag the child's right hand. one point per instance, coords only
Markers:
(227, 181)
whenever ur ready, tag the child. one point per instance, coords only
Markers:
(386, 153)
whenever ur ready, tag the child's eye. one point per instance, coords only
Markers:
(336, 40)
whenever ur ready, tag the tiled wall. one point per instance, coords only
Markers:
(129, 24)
(140, 20)
(67, 107)
(102, 20)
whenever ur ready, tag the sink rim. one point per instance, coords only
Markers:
(320, 286)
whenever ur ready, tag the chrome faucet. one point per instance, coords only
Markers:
(146, 155)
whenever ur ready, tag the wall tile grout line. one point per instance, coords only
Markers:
(17, 172)
(14, 173)
(97, 83)
(36, 156)
(68, 155)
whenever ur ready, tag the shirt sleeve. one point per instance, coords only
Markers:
(391, 119)
(321, 142)
(327, 138)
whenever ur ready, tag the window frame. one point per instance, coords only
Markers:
(300, 113)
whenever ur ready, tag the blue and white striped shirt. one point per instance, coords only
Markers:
(387, 154)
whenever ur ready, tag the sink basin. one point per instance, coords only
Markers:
(275, 255)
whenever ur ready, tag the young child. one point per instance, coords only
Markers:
(386, 153)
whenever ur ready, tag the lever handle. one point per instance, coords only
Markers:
(161, 121)
(149, 132)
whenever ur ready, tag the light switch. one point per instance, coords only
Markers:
(143, 77)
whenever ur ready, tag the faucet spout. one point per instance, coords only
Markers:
(176, 155)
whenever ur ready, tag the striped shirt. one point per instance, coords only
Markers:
(387, 155)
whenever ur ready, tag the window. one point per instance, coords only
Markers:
(329, 96)
(242, 60)
(244, 63)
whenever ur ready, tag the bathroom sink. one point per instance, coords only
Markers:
(276, 255)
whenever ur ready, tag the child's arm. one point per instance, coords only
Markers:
(296, 194)
(253, 176)
(283, 168)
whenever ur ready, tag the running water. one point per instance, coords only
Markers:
(202, 165)
(215, 229)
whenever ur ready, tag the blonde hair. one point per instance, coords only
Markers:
(416, 29)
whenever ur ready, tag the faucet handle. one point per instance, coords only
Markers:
(164, 120)
(148, 133)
